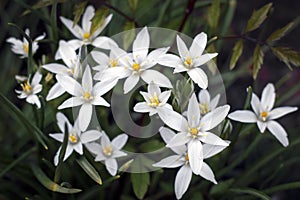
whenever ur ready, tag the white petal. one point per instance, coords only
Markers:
(111, 166)
(199, 77)
(255, 104)
(85, 115)
(69, 151)
(281, 111)
(55, 91)
(100, 101)
(164, 96)
(198, 44)
(104, 42)
(87, 17)
(166, 134)
(214, 102)
(37, 88)
(169, 60)
(195, 153)
(100, 57)
(69, 84)
(76, 30)
(90, 136)
(170, 162)
(36, 78)
(193, 112)
(94, 148)
(71, 102)
(210, 138)
(78, 148)
(158, 78)
(56, 68)
(172, 119)
(204, 59)
(120, 141)
(62, 120)
(115, 72)
(87, 79)
(207, 173)
(100, 29)
(262, 126)
(182, 49)
(244, 116)
(141, 45)
(130, 82)
(67, 53)
(215, 117)
(33, 99)
(103, 87)
(153, 88)
(57, 136)
(141, 107)
(56, 156)
(204, 97)
(182, 180)
(211, 150)
(268, 97)
(105, 139)
(179, 139)
(278, 131)
(118, 154)
(154, 55)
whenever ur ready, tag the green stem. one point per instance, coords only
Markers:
(54, 22)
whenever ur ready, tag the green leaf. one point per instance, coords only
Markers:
(98, 19)
(89, 169)
(212, 64)
(140, 183)
(252, 192)
(237, 52)
(42, 4)
(46, 182)
(258, 17)
(19, 115)
(219, 189)
(130, 34)
(276, 35)
(258, 58)
(133, 4)
(287, 55)
(214, 14)
(78, 11)
(286, 186)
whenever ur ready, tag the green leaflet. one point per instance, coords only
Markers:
(78, 11)
(214, 14)
(89, 169)
(287, 55)
(279, 33)
(258, 17)
(237, 52)
(140, 183)
(258, 59)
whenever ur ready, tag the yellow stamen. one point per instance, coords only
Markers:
(26, 87)
(154, 101)
(136, 66)
(86, 35)
(186, 157)
(48, 77)
(107, 150)
(87, 96)
(73, 138)
(264, 115)
(188, 61)
(204, 108)
(113, 63)
(194, 131)
(26, 48)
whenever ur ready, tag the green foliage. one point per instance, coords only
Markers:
(140, 183)
(258, 59)
(287, 55)
(130, 34)
(214, 14)
(98, 19)
(89, 169)
(237, 52)
(252, 192)
(278, 34)
(78, 11)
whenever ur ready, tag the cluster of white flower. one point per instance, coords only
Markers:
(194, 141)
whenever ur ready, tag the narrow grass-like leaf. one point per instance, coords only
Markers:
(98, 19)
(251, 192)
(130, 34)
(54, 21)
(214, 14)
(237, 52)
(258, 17)
(89, 169)
(286, 186)
(78, 11)
(46, 182)
(287, 55)
(133, 4)
(18, 115)
(276, 35)
(140, 183)
(258, 58)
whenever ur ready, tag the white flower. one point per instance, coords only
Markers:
(30, 89)
(75, 137)
(181, 159)
(194, 130)
(108, 151)
(84, 34)
(190, 59)
(85, 95)
(154, 99)
(137, 64)
(22, 47)
(205, 102)
(71, 68)
(264, 114)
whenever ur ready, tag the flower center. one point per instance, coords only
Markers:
(26, 48)
(86, 35)
(204, 108)
(73, 138)
(194, 131)
(87, 96)
(136, 66)
(26, 87)
(188, 61)
(154, 101)
(107, 150)
(113, 63)
(264, 115)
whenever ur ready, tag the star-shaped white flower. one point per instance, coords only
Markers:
(155, 99)
(190, 59)
(22, 47)
(71, 68)
(31, 89)
(264, 114)
(137, 64)
(195, 130)
(85, 95)
(181, 159)
(84, 34)
(206, 103)
(108, 151)
(75, 137)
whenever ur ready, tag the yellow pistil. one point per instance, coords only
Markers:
(188, 62)
(154, 101)
(264, 115)
(26, 87)
(26, 48)
(136, 66)
(204, 108)
(87, 96)
(194, 131)
(107, 150)
(86, 35)
(113, 63)
(73, 138)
